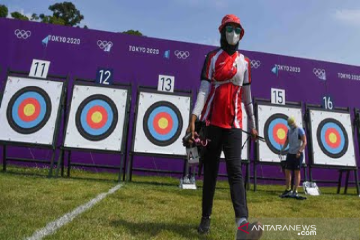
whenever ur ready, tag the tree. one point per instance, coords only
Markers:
(19, 16)
(133, 32)
(51, 19)
(3, 11)
(65, 11)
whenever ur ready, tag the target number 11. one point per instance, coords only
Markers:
(39, 68)
(278, 96)
(166, 83)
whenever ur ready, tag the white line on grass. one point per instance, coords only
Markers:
(51, 227)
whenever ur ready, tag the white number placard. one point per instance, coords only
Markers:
(166, 83)
(278, 96)
(39, 68)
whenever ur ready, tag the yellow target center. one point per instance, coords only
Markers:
(332, 137)
(29, 109)
(96, 117)
(163, 123)
(281, 134)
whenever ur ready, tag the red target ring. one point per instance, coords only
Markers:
(163, 123)
(330, 134)
(93, 115)
(29, 110)
(279, 133)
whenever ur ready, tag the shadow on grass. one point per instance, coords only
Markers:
(153, 229)
(27, 174)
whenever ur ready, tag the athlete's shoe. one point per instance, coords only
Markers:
(286, 193)
(204, 226)
(248, 230)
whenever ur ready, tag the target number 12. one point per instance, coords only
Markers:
(277, 96)
(166, 83)
(39, 68)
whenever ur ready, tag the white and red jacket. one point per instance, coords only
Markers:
(225, 84)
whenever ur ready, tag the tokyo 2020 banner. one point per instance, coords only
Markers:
(79, 53)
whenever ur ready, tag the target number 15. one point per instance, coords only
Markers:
(39, 68)
(166, 83)
(278, 96)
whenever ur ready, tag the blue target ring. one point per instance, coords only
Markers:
(332, 138)
(28, 110)
(96, 118)
(152, 130)
(83, 118)
(162, 123)
(275, 132)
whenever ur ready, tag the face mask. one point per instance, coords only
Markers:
(232, 38)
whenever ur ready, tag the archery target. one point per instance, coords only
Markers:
(29, 110)
(161, 121)
(245, 151)
(332, 138)
(96, 118)
(272, 122)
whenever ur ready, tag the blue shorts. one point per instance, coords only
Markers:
(292, 162)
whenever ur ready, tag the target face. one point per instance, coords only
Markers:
(272, 123)
(161, 119)
(332, 138)
(275, 130)
(96, 117)
(162, 123)
(29, 110)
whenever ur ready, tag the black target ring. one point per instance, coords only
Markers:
(104, 106)
(40, 105)
(162, 123)
(332, 138)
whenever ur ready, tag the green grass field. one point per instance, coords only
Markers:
(147, 208)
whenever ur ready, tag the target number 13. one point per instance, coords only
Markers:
(278, 96)
(166, 83)
(39, 68)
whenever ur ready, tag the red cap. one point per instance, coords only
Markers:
(231, 18)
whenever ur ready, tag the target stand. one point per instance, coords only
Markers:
(30, 114)
(331, 145)
(97, 122)
(161, 119)
(271, 122)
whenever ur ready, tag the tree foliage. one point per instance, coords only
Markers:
(19, 16)
(3, 11)
(133, 32)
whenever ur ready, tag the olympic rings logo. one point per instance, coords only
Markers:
(320, 73)
(22, 34)
(104, 44)
(255, 64)
(182, 54)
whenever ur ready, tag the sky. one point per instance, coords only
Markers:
(327, 30)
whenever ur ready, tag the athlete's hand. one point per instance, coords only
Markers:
(254, 133)
(297, 155)
(191, 128)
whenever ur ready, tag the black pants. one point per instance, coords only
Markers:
(230, 140)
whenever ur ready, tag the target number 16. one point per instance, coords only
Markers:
(166, 83)
(278, 96)
(327, 102)
(39, 68)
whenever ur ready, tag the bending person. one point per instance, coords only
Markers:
(296, 140)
